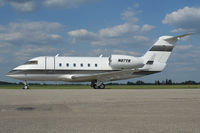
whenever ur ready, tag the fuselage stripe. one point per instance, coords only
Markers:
(162, 48)
(71, 72)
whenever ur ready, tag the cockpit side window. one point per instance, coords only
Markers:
(31, 62)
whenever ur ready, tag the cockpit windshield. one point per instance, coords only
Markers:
(31, 62)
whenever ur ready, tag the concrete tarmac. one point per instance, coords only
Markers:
(100, 111)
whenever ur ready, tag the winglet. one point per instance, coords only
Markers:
(173, 39)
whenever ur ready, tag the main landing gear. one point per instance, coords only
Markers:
(26, 86)
(97, 84)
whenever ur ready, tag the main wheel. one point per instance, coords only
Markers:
(95, 87)
(102, 86)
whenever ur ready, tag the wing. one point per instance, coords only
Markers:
(107, 76)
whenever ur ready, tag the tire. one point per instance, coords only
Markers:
(102, 86)
(25, 87)
(95, 87)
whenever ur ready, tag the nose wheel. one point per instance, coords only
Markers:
(26, 86)
(97, 85)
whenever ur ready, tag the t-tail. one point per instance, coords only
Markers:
(156, 57)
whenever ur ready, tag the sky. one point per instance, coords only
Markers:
(31, 28)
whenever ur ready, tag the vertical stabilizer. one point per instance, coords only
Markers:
(160, 52)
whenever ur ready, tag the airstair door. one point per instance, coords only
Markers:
(50, 63)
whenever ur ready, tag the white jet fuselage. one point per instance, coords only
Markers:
(60, 68)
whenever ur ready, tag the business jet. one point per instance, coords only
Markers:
(96, 70)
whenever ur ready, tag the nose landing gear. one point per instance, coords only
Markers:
(97, 84)
(26, 86)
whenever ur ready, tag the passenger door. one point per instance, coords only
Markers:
(50, 63)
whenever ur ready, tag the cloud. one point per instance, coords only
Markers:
(35, 26)
(81, 34)
(129, 15)
(26, 6)
(1, 3)
(1, 60)
(123, 34)
(69, 53)
(183, 47)
(147, 27)
(32, 5)
(65, 3)
(136, 5)
(4, 44)
(122, 52)
(11, 36)
(185, 56)
(30, 51)
(108, 52)
(35, 33)
(106, 37)
(122, 41)
(118, 30)
(23, 40)
(187, 69)
(185, 20)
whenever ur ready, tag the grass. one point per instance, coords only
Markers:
(107, 87)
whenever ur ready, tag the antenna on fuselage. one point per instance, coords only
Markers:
(57, 55)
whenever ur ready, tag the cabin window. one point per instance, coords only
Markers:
(88, 65)
(74, 64)
(81, 64)
(32, 62)
(60, 64)
(67, 65)
(95, 65)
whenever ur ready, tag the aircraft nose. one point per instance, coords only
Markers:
(16, 74)
(10, 74)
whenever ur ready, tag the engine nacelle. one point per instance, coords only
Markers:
(125, 62)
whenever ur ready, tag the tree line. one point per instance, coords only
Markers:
(138, 82)
(158, 82)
